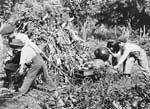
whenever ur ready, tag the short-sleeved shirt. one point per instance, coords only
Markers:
(128, 50)
(24, 38)
(27, 54)
(29, 50)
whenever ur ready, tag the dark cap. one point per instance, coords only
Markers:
(7, 29)
(16, 43)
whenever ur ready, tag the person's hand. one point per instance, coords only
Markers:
(109, 50)
(21, 71)
(116, 67)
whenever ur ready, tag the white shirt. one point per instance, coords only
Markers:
(128, 48)
(24, 38)
(29, 51)
(27, 54)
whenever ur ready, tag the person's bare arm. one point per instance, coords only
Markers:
(22, 62)
(123, 58)
(114, 54)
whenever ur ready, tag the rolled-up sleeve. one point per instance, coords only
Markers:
(27, 54)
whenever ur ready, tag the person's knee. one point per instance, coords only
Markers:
(25, 86)
(128, 69)
(23, 90)
(130, 61)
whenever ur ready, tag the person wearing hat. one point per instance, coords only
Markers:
(8, 30)
(12, 62)
(32, 64)
(4, 32)
(130, 53)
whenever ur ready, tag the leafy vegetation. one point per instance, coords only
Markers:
(68, 31)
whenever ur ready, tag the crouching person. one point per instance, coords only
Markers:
(12, 64)
(132, 53)
(34, 64)
(114, 50)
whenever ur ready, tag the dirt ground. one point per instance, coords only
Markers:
(35, 99)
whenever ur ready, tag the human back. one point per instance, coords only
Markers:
(132, 47)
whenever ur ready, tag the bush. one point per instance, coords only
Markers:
(50, 25)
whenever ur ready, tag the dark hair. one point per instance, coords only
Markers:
(116, 47)
(110, 44)
(113, 46)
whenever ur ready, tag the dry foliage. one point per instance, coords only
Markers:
(48, 24)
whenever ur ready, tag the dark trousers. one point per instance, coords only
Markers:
(38, 65)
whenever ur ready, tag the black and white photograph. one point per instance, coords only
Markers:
(74, 54)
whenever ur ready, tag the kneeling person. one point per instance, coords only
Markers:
(12, 63)
(35, 64)
(130, 54)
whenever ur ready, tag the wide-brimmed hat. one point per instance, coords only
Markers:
(7, 29)
(16, 43)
